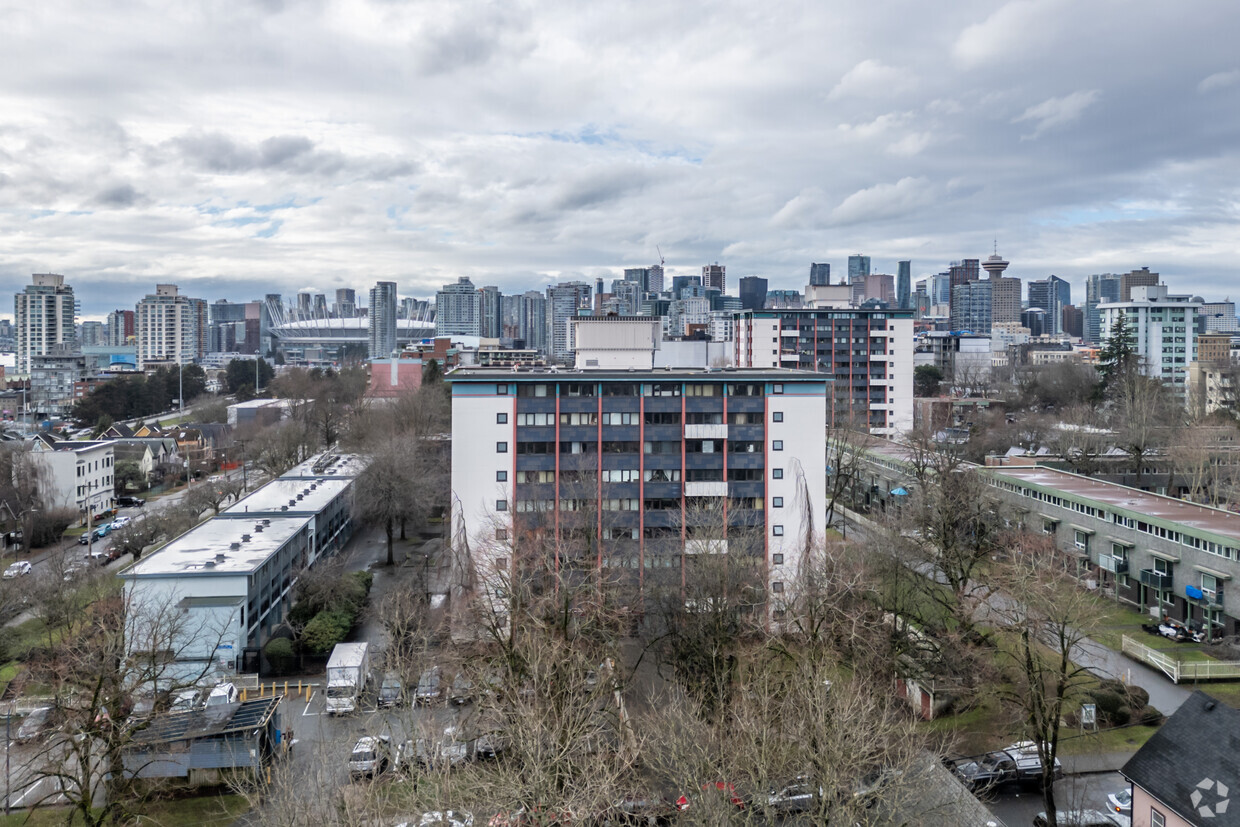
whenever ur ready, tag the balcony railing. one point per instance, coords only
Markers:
(1156, 579)
(1115, 565)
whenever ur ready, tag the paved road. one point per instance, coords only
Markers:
(1017, 806)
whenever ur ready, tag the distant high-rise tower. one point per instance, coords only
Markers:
(305, 305)
(458, 309)
(44, 315)
(120, 328)
(819, 275)
(753, 292)
(1137, 278)
(994, 266)
(1100, 288)
(346, 303)
(532, 320)
(564, 301)
(320, 306)
(1004, 292)
(904, 284)
(489, 319)
(1051, 294)
(381, 319)
(858, 267)
(171, 327)
(714, 276)
(654, 279)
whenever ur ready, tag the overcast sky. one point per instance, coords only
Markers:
(252, 147)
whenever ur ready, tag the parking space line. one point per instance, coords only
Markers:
(306, 711)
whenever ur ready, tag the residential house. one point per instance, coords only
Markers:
(77, 475)
(1188, 772)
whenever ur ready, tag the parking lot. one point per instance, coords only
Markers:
(1017, 806)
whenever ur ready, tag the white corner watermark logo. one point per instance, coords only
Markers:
(1214, 790)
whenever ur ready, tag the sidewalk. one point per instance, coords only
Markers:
(1097, 763)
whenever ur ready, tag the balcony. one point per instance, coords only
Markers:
(719, 431)
(1156, 580)
(1115, 565)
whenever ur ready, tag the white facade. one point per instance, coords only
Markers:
(77, 476)
(615, 342)
(43, 317)
(1164, 330)
(169, 327)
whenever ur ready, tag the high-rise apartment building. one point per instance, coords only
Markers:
(904, 284)
(305, 305)
(1100, 288)
(489, 312)
(971, 306)
(92, 334)
(532, 320)
(320, 306)
(753, 291)
(564, 301)
(1218, 317)
(346, 303)
(666, 468)
(715, 276)
(1163, 331)
(858, 267)
(44, 315)
(1073, 322)
(654, 278)
(170, 327)
(1136, 278)
(120, 328)
(458, 309)
(381, 320)
(868, 355)
(1051, 294)
(819, 274)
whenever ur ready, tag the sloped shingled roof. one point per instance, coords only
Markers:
(1192, 764)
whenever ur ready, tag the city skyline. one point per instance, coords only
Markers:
(551, 147)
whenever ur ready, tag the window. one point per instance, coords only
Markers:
(501, 419)
(1082, 540)
(777, 502)
(501, 447)
(501, 534)
(777, 473)
(777, 388)
(777, 587)
(1157, 819)
(501, 505)
(501, 476)
(777, 530)
(777, 445)
(1162, 566)
(501, 390)
(777, 416)
(777, 559)
(1209, 586)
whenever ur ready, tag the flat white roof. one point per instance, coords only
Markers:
(314, 496)
(197, 550)
(340, 466)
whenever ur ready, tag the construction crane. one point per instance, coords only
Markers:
(660, 254)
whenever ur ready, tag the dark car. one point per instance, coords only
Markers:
(392, 690)
(130, 502)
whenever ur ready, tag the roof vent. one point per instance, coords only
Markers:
(258, 528)
(220, 558)
(245, 538)
(234, 546)
(284, 508)
(313, 486)
(210, 564)
(266, 521)
(300, 496)
(292, 502)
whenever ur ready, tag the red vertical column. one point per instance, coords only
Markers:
(598, 562)
(641, 490)
(724, 388)
(555, 545)
(683, 482)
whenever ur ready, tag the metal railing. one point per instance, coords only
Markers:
(1178, 670)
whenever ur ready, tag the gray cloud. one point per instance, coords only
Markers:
(514, 144)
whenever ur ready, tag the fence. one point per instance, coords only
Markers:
(251, 687)
(1178, 670)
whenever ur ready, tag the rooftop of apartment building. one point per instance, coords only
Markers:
(1170, 509)
(219, 547)
(526, 372)
(289, 495)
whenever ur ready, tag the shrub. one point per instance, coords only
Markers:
(1120, 717)
(325, 630)
(1108, 702)
(1150, 716)
(280, 654)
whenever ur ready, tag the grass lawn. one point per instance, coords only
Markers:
(1120, 739)
(1227, 692)
(180, 812)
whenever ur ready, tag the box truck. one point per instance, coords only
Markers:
(348, 669)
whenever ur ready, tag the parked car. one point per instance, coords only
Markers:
(103, 531)
(430, 686)
(392, 690)
(33, 725)
(18, 569)
(97, 555)
(795, 797)
(121, 522)
(1121, 802)
(371, 756)
(451, 749)
(462, 690)
(130, 502)
(74, 570)
(185, 700)
(84, 539)
(1084, 818)
(1017, 763)
(225, 693)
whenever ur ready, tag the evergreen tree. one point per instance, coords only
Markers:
(1118, 355)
